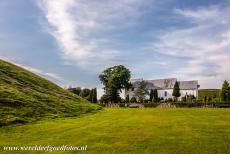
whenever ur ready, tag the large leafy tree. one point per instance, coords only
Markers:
(225, 91)
(176, 90)
(114, 80)
(140, 92)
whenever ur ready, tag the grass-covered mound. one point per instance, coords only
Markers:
(25, 97)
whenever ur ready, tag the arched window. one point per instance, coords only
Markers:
(165, 93)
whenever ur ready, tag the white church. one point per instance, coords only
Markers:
(165, 87)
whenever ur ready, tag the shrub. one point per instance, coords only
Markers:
(127, 98)
(133, 100)
(170, 100)
(123, 100)
(151, 104)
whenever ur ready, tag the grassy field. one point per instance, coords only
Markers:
(209, 93)
(147, 130)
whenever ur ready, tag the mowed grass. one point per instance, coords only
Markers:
(209, 93)
(138, 131)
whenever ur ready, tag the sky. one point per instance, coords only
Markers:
(70, 42)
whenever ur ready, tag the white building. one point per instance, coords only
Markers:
(165, 87)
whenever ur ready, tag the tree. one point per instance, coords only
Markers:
(94, 97)
(225, 94)
(76, 90)
(141, 91)
(89, 97)
(151, 95)
(127, 98)
(85, 92)
(114, 80)
(176, 90)
(205, 98)
(104, 99)
(155, 95)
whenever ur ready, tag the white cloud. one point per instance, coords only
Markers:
(205, 44)
(78, 27)
(41, 72)
(200, 14)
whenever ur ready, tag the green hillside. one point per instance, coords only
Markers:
(25, 97)
(209, 93)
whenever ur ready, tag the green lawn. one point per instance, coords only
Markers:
(147, 130)
(209, 93)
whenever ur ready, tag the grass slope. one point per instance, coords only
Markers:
(136, 131)
(25, 96)
(209, 93)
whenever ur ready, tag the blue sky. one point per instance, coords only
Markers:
(72, 41)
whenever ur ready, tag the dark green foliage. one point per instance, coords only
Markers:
(140, 92)
(123, 100)
(151, 105)
(90, 96)
(170, 100)
(25, 97)
(127, 98)
(114, 80)
(184, 99)
(85, 92)
(133, 100)
(155, 95)
(76, 90)
(205, 98)
(94, 95)
(176, 90)
(225, 91)
(151, 95)
(104, 99)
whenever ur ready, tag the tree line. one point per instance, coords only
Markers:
(89, 94)
(117, 78)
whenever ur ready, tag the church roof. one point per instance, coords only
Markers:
(187, 85)
(166, 84)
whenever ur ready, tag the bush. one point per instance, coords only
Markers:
(123, 101)
(127, 98)
(170, 100)
(133, 100)
(151, 104)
